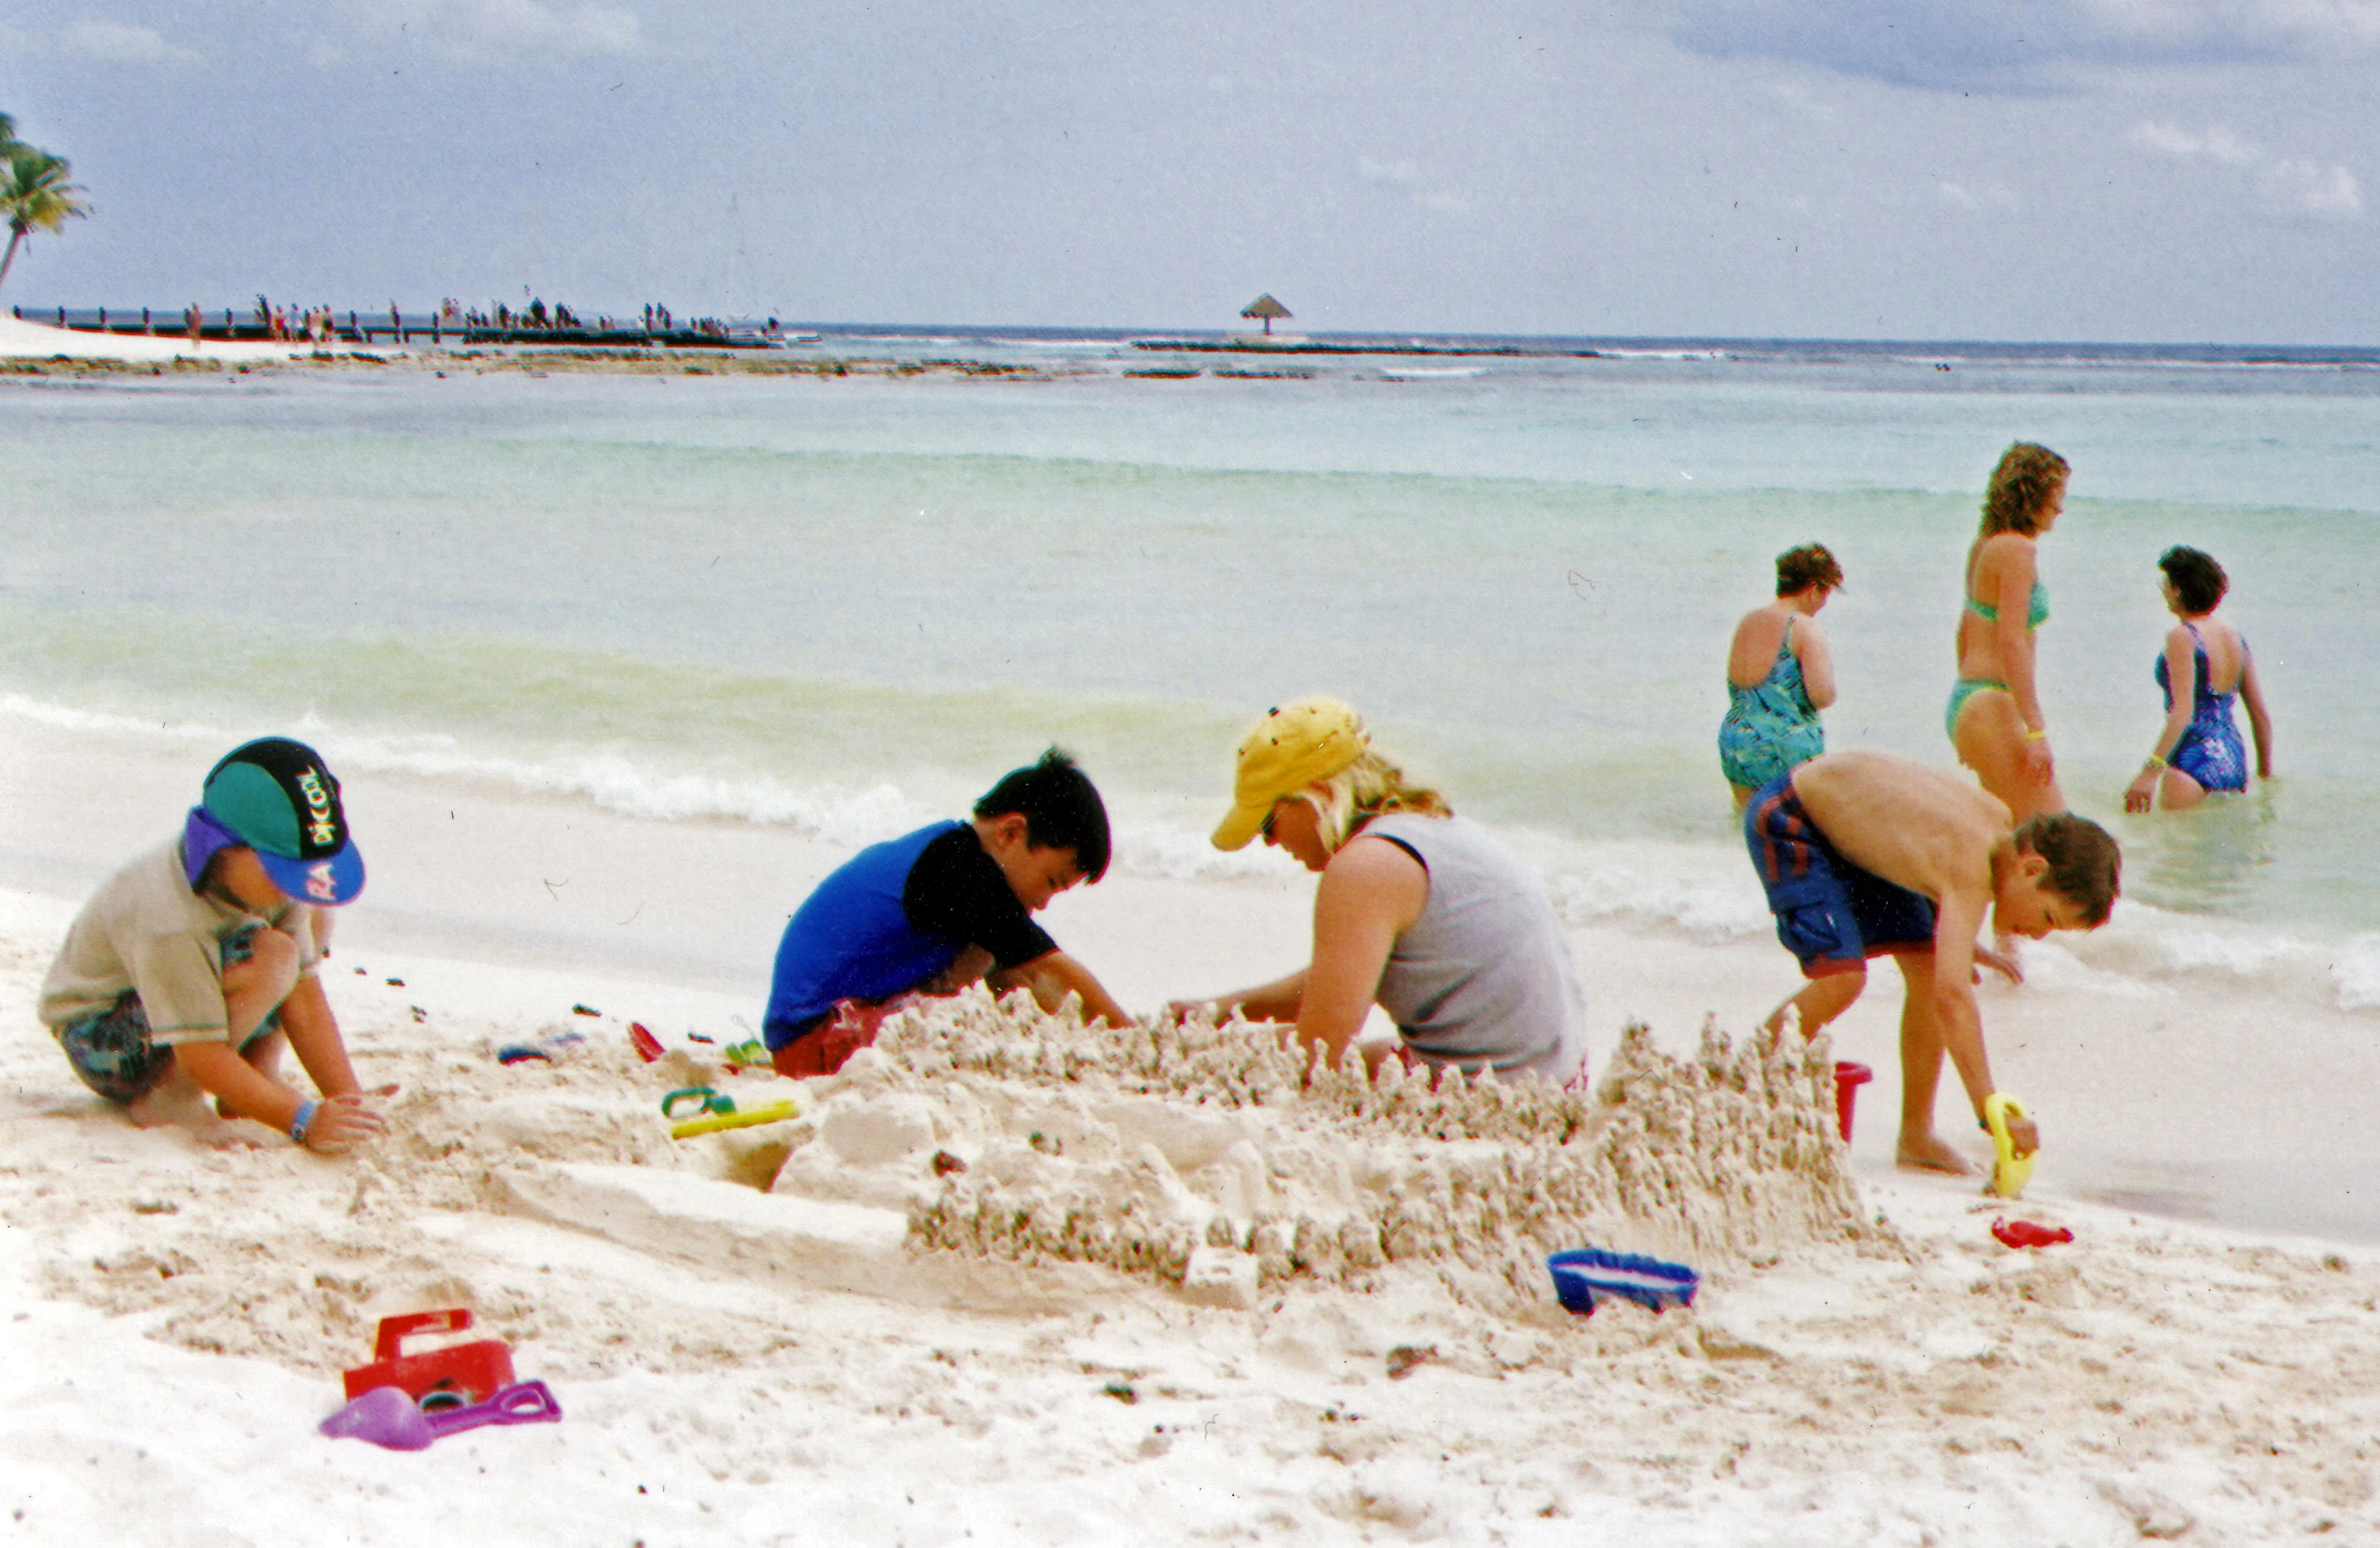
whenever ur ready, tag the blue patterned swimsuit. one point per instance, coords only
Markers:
(1771, 727)
(2210, 750)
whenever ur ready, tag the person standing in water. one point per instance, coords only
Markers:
(1995, 718)
(2198, 751)
(1780, 675)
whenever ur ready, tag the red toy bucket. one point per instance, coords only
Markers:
(1849, 1078)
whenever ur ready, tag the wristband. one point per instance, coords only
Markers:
(2155, 762)
(2038, 733)
(305, 1111)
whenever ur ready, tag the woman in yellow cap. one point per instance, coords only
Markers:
(1418, 911)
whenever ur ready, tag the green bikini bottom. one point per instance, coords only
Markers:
(1961, 691)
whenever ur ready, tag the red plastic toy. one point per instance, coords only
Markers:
(2025, 1233)
(473, 1373)
(647, 1047)
(1849, 1078)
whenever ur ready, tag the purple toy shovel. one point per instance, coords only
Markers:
(385, 1416)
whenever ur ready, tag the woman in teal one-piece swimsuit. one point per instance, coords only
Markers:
(1780, 675)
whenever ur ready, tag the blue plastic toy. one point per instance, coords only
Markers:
(1584, 1275)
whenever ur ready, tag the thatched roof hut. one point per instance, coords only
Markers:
(1265, 307)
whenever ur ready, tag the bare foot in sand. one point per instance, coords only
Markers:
(186, 1108)
(1924, 1152)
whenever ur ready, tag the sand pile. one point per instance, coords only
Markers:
(1215, 1158)
(1207, 1161)
(758, 1331)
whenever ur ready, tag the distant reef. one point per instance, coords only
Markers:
(1258, 345)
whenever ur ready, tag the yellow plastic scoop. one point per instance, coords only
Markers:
(773, 1113)
(2010, 1171)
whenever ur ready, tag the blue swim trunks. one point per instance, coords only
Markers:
(1830, 915)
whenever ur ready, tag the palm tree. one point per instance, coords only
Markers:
(34, 192)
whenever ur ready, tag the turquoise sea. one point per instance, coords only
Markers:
(843, 602)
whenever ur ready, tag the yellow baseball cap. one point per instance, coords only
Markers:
(1293, 746)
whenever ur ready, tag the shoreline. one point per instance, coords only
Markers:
(2144, 1093)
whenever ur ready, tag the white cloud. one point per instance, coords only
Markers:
(1801, 102)
(1415, 180)
(508, 30)
(1986, 196)
(2217, 143)
(119, 42)
(2326, 191)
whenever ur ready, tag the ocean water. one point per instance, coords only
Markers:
(845, 603)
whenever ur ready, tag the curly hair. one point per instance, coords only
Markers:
(2027, 478)
(1811, 564)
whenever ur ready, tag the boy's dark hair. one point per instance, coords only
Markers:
(2198, 581)
(1060, 810)
(1811, 564)
(2086, 867)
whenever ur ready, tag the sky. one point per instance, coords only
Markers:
(2157, 171)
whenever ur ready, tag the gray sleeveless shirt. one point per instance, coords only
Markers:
(1484, 976)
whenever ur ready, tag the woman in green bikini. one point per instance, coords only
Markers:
(1995, 718)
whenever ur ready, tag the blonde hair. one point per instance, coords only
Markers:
(1364, 790)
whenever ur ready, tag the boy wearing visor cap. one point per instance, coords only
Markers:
(189, 972)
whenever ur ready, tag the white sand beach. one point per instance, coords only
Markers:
(753, 1342)
(24, 340)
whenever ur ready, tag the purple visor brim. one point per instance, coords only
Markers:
(202, 838)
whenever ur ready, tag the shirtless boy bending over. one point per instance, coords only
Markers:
(1864, 854)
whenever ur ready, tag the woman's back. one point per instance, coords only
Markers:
(2002, 581)
(1759, 637)
(2220, 648)
(1484, 976)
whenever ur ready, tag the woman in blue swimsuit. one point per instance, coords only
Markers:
(1779, 675)
(1995, 718)
(2199, 751)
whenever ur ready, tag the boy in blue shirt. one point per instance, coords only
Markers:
(936, 910)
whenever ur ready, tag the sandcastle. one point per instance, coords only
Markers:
(1181, 1153)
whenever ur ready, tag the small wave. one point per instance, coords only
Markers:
(1705, 908)
(65, 718)
(1624, 353)
(2356, 973)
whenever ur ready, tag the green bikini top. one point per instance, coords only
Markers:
(2039, 611)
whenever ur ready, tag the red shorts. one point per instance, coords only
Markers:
(849, 1027)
